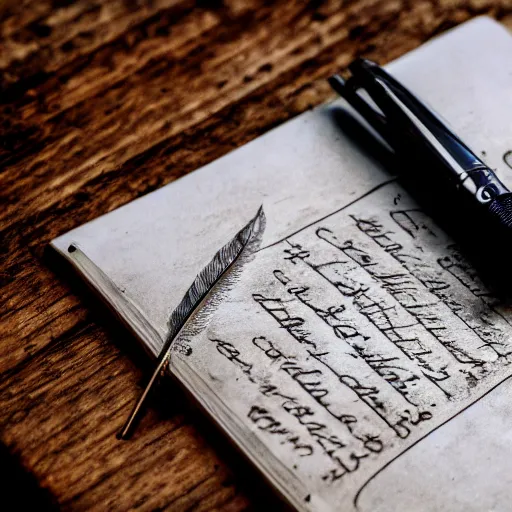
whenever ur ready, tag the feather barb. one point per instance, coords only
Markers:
(205, 293)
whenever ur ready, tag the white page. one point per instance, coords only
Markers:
(303, 171)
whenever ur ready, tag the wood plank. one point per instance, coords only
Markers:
(102, 102)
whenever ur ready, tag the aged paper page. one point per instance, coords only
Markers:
(344, 361)
(350, 340)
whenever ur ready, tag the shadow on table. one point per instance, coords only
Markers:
(19, 488)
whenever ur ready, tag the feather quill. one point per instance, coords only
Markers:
(206, 292)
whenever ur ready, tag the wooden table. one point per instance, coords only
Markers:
(102, 102)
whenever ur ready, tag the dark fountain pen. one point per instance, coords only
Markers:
(420, 139)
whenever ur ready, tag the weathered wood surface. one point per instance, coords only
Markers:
(101, 102)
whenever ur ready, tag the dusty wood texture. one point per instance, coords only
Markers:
(101, 102)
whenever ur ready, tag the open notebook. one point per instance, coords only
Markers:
(345, 357)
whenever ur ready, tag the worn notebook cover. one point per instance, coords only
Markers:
(353, 359)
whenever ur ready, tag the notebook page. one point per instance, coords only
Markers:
(320, 369)
(346, 344)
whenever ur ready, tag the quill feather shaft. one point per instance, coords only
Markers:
(203, 295)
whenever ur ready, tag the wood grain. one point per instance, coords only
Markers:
(100, 103)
